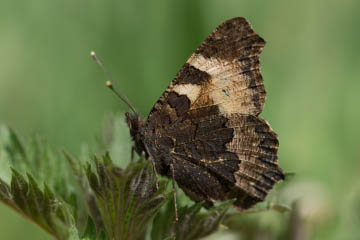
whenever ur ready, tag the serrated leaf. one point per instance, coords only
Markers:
(19, 190)
(91, 232)
(12, 144)
(5, 194)
(127, 199)
(51, 214)
(85, 178)
(192, 224)
(195, 225)
(42, 207)
(35, 201)
(38, 160)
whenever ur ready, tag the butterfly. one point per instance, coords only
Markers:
(205, 132)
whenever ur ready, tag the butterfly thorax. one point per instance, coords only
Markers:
(135, 124)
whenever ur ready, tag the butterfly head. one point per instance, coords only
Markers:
(135, 124)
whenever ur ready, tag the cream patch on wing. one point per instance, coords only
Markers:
(192, 91)
(227, 88)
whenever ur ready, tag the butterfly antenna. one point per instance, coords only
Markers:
(110, 82)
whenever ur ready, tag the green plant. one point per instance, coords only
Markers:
(93, 197)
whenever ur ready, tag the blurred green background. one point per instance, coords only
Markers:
(311, 66)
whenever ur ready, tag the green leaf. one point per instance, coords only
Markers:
(90, 231)
(37, 159)
(51, 214)
(82, 173)
(19, 190)
(192, 224)
(12, 144)
(127, 199)
(164, 222)
(74, 234)
(5, 195)
(195, 225)
(35, 201)
(43, 207)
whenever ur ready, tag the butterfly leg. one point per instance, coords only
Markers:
(174, 191)
(155, 172)
(153, 165)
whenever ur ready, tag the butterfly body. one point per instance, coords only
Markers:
(204, 131)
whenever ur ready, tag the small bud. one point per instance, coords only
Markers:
(92, 54)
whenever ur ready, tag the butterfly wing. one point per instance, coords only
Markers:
(206, 123)
(225, 156)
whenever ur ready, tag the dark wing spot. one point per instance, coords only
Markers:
(181, 103)
(190, 74)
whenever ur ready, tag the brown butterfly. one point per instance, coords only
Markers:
(204, 132)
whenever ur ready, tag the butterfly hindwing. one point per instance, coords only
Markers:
(206, 123)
